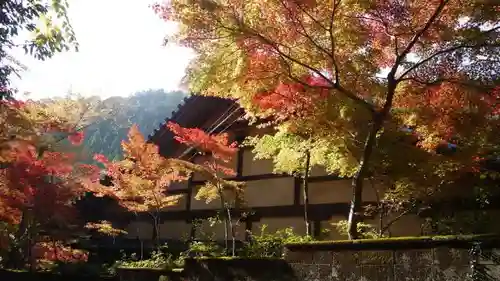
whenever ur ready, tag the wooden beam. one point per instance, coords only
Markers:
(316, 212)
(274, 176)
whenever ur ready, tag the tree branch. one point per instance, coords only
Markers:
(436, 54)
(304, 32)
(390, 223)
(341, 89)
(408, 48)
(332, 41)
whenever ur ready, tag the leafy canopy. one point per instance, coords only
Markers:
(40, 176)
(140, 182)
(36, 172)
(216, 152)
(48, 26)
(327, 70)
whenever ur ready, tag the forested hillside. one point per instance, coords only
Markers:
(147, 109)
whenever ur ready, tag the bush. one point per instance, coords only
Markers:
(270, 245)
(160, 259)
(204, 249)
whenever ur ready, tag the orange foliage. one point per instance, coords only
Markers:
(44, 181)
(57, 251)
(140, 181)
(217, 146)
(47, 184)
(293, 99)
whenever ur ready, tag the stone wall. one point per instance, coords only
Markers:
(397, 260)
(7, 275)
(439, 258)
(238, 269)
(438, 264)
(418, 259)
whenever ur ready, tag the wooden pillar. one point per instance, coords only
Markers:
(316, 231)
(189, 194)
(297, 185)
(239, 160)
(248, 228)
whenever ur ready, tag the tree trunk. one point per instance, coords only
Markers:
(226, 223)
(231, 227)
(358, 180)
(138, 231)
(305, 184)
(156, 230)
(17, 254)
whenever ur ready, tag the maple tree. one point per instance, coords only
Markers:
(217, 152)
(140, 182)
(57, 251)
(39, 181)
(358, 77)
(106, 228)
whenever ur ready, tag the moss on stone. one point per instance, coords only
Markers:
(395, 242)
(228, 258)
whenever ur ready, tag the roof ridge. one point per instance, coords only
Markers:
(173, 114)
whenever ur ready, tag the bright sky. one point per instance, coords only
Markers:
(120, 53)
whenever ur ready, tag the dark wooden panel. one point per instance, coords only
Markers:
(316, 212)
(239, 159)
(189, 193)
(319, 212)
(297, 184)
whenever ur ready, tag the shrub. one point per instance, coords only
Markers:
(270, 245)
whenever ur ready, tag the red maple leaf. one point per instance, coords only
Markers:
(218, 145)
(76, 138)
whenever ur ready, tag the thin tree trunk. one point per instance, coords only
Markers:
(381, 220)
(30, 247)
(226, 223)
(358, 180)
(156, 230)
(231, 226)
(16, 256)
(305, 184)
(379, 117)
(138, 231)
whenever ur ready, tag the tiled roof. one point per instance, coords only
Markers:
(192, 112)
(172, 117)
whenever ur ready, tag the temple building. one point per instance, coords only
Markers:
(274, 200)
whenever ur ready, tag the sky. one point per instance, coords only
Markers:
(120, 53)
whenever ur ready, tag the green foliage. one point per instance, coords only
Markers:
(157, 260)
(204, 249)
(146, 109)
(207, 245)
(365, 230)
(288, 152)
(402, 241)
(270, 245)
(39, 18)
(160, 259)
